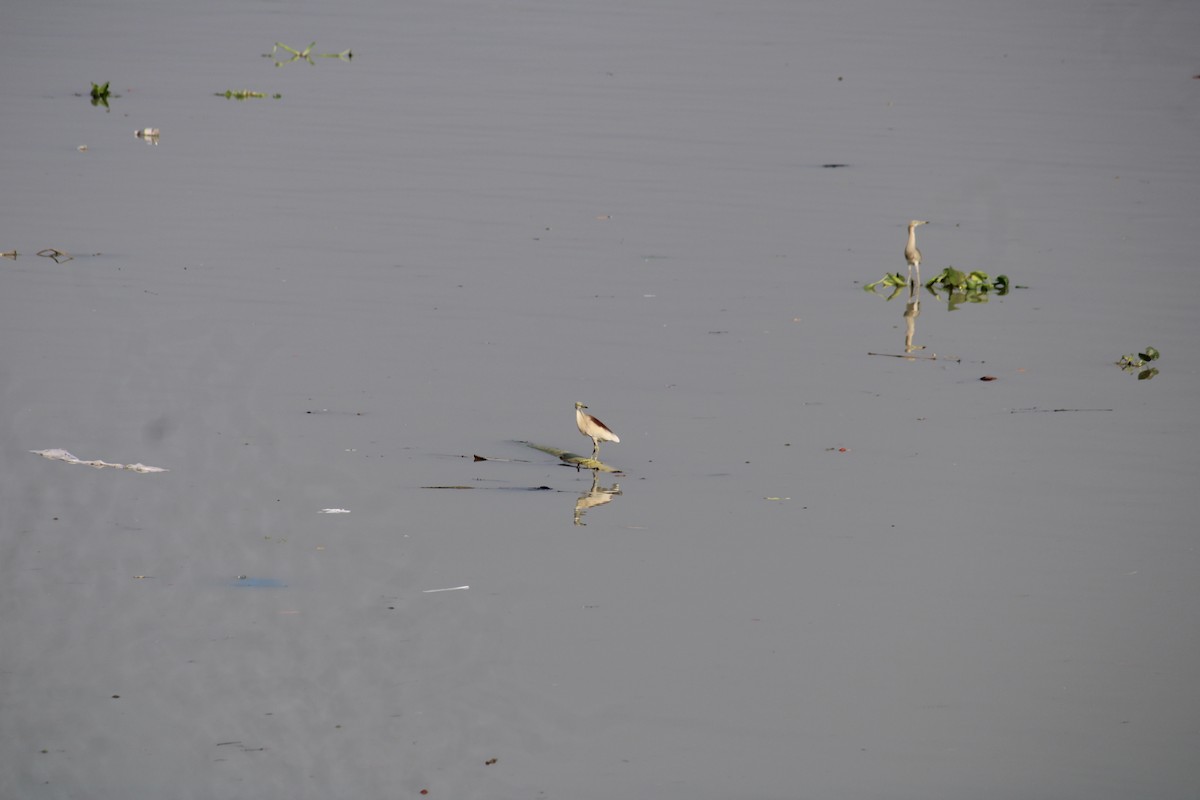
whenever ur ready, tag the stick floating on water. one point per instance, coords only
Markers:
(933, 357)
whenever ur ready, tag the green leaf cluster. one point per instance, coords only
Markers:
(244, 94)
(100, 95)
(894, 279)
(974, 281)
(1134, 362)
(971, 287)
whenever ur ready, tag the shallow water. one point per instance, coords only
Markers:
(821, 573)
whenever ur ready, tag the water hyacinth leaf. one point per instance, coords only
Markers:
(1150, 355)
(1146, 375)
(890, 279)
(952, 277)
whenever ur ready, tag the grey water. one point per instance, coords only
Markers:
(818, 573)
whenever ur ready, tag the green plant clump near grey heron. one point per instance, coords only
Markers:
(974, 281)
(972, 287)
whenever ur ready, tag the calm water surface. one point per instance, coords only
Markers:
(820, 574)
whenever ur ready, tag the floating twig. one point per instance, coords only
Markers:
(573, 459)
(934, 357)
(58, 255)
(307, 54)
(1054, 410)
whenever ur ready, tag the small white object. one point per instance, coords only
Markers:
(451, 589)
(58, 454)
(335, 511)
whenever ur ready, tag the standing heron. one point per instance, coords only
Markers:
(911, 254)
(593, 428)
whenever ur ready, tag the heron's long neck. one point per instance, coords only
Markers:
(912, 236)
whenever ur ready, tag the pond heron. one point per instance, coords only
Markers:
(911, 254)
(594, 428)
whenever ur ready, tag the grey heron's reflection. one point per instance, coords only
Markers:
(596, 496)
(912, 310)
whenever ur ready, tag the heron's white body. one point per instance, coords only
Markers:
(911, 254)
(593, 428)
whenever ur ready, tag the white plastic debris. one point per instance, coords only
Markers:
(58, 454)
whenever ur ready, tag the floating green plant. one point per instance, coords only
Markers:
(244, 94)
(974, 281)
(1132, 363)
(307, 54)
(892, 279)
(970, 287)
(100, 94)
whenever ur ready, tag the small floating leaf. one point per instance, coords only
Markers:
(890, 279)
(1132, 363)
(242, 94)
(952, 277)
